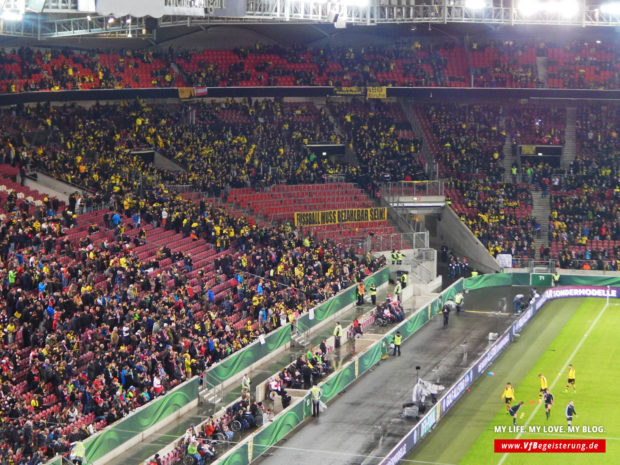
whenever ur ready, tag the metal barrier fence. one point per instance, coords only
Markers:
(379, 243)
(530, 264)
(391, 190)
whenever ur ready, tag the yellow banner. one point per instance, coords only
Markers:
(528, 150)
(350, 215)
(349, 90)
(376, 92)
(186, 92)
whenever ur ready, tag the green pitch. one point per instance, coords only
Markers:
(577, 331)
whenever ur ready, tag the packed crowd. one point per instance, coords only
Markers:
(221, 145)
(536, 124)
(499, 215)
(469, 140)
(583, 226)
(407, 63)
(382, 138)
(92, 327)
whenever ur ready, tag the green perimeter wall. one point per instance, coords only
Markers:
(141, 420)
(335, 304)
(523, 279)
(244, 358)
(272, 433)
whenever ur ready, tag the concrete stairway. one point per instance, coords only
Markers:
(509, 159)
(541, 209)
(541, 70)
(332, 119)
(431, 164)
(569, 153)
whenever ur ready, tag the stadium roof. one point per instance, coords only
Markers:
(44, 19)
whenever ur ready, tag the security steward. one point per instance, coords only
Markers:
(399, 258)
(458, 300)
(394, 257)
(556, 278)
(373, 293)
(398, 291)
(398, 339)
(337, 335)
(403, 280)
(78, 453)
(315, 393)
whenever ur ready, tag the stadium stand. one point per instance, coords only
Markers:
(583, 227)
(410, 64)
(506, 64)
(172, 294)
(118, 296)
(385, 144)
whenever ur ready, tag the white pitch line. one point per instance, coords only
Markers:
(571, 356)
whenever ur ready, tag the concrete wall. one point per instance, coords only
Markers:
(452, 232)
(52, 186)
(144, 435)
(165, 163)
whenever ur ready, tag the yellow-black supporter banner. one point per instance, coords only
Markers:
(528, 150)
(186, 92)
(376, 92)
(349, 215)
(349, 90)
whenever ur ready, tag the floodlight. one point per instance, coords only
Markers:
(569, 8)
(357, 3)
(528, 7)
(612, 8)
(12, 15)
(88, 18)
(565, 8)
(111, 20)
(475, 4)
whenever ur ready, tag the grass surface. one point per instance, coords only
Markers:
(553, 339)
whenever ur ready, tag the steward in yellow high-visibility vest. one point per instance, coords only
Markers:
(337, 334)
(398, 339)
(373, 293)
(458, 300)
